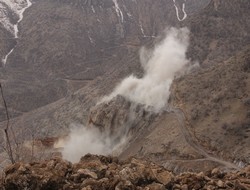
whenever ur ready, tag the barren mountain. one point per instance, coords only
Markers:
(70, 43)
(71, 53)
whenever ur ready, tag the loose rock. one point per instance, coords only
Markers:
(104, 173)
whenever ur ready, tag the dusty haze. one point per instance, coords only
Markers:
(160, 67)
(83, 140)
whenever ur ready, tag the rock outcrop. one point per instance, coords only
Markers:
(100, 173)
(119, 117)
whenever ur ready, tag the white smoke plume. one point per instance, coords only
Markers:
(160, 67)
(83, 140)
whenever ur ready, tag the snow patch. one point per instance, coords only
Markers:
(183, 10)
(90, 38)
(143, 32)
(4, 60)
(93, 9)
(17, 7)
(118, 10)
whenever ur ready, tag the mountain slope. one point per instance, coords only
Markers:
(208, 124)
(70, 43)
(71, 53)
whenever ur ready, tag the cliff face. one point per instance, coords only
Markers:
(120, 118)
(99, 172)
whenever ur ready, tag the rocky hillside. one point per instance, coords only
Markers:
(101, 173)
(216, 104)
(64, 50)
(70, 53)
(208, 122)
(218, 31)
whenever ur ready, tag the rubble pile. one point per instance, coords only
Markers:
(99, 172)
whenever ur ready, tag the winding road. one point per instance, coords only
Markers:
(193, 143)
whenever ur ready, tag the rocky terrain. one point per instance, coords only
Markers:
(71, 53)
(202, 115)
(68, 61)
(99, 172)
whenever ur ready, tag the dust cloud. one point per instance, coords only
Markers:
(160, 68)
(160, 65)
(83, 140)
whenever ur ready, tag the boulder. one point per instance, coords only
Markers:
(100, 173)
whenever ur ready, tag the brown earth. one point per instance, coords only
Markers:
(99, 172)
(56, 75)
(207, 124)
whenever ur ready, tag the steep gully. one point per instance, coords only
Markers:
(118, 11)
(16, 31)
